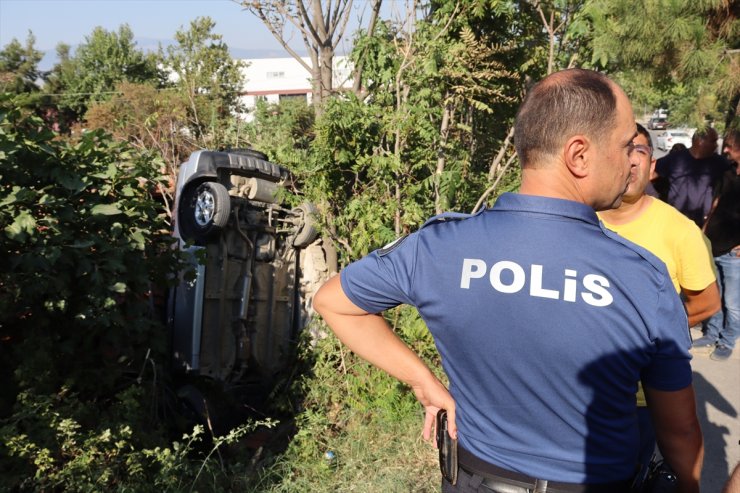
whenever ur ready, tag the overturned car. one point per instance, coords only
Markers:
(257, 263)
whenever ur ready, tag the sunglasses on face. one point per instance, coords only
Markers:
(641, 149)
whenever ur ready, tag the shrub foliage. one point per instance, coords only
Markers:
(84, 251)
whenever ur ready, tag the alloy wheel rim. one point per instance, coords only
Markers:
(204, 208)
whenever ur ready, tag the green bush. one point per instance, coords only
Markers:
(85, 256)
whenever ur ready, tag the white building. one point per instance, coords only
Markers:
(275, 79)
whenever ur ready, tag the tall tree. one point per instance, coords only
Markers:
(689, 50)
(209, 79)
(105, 59)
(321, 25)
(60, 116)
(19, 70)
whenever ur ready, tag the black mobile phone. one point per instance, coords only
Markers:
(447, 449)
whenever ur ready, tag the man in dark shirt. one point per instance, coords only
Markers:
(692, 174)
(723, 229)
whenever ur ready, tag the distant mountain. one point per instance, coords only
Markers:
(149, 44)
(152, 45)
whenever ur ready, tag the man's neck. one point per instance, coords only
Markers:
(549, 182)
(627, 211)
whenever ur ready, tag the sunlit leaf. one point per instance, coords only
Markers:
(119, 287)
(105, 210)
(24, 225)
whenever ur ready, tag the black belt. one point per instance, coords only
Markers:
(504, 481)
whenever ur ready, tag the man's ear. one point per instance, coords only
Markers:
(576, 154)
(652, 174)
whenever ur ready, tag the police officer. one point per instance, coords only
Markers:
(544, 320)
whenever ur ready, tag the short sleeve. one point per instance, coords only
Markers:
(384, 278)
(695, 262)
(670, 368)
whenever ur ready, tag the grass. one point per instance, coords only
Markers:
(370, 422)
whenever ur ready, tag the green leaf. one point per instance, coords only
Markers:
(137, 237)
(24, 225)
(10, 198)
(115, 229)
(119, 287)
(105, 210)
(71, 182)
(18, 195)
(110, 172)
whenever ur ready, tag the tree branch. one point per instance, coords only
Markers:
(256, 8)
(340, 34)
(357, 83)
(501, 153)
(490, 189)
(306, 20)
(443, 31)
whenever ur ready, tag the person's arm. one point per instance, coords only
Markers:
(370, 337)
(700, 305)
(678, 434)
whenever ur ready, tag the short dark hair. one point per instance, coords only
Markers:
(704, 133)
(563, 104)
(643, 131)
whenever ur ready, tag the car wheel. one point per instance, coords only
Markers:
(307, 231)
(204, 211)
(249, 152)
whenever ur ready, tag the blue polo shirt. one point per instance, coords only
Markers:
(545, 322)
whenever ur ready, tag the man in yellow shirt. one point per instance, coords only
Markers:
(673, 238)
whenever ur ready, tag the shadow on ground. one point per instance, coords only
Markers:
(716, 435)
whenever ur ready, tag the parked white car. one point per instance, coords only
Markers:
(669, 138)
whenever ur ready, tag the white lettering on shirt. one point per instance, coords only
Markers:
(509, 277)
(570, 285)
(517, 282)
(596, 285)
(473, 268)
(536, 289)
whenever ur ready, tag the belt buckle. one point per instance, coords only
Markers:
(540, 486)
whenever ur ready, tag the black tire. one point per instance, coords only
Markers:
(249, 152)
(203, 211)
(307, 232)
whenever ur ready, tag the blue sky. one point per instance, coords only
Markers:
(70, 21)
